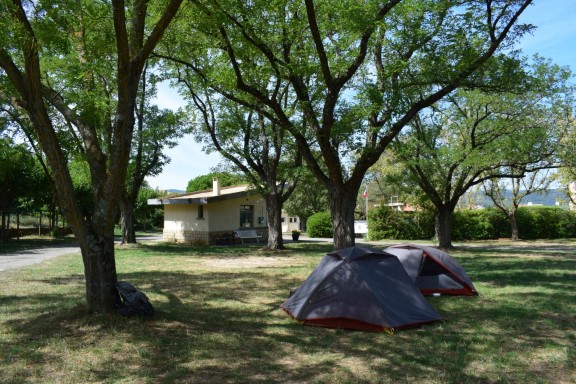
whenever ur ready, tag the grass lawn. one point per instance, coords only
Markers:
(218, 321)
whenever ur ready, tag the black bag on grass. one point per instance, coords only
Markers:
(133, 301)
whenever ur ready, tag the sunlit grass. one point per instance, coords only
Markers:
(218, 321)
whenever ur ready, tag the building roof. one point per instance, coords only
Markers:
(206, 196)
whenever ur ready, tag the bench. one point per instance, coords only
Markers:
(248, 234)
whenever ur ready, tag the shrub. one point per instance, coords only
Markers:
(387, 223)
(319, 225)
(480, 224)
(545, 223)
(483, 224)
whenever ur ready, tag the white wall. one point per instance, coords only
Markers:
(220, 216)
(225, 215)
(184, 217)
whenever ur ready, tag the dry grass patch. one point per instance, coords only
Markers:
(218, 321)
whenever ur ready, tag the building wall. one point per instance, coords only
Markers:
(221, 219)
(225, 215)
(290, 223)
(182, 225)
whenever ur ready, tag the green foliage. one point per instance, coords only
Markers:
(80, 173)
(147, 216)
(319, 225)
(20, 174)
(307, 198)
(204, 182)
(480, 224)
(387, 223)
(545, 223)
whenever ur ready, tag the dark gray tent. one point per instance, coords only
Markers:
(432, 270)
(360, 288)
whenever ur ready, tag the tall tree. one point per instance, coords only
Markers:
(567, 173)
(57, 58)
(358, 72)
(533, 182)
(156, 130)
(256, 146)
(472, 136)
(307, 199)
(19, 176)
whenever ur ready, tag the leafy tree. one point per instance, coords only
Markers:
(307, 199)
(204, 182)
(156, 130)
(473, 136)
(74, 67)
(19, 176)
(533, 182)
(567, 172)
(345, 77)
(256, 146)
(148, 216)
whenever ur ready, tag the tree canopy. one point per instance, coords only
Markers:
(204, 182)
(473, 136)
(343, 77)
(73, 68)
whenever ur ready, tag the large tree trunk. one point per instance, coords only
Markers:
(513, 226)
(100, 271)
(342, 206)
(443, 226)
(274, 218)
(127, 222)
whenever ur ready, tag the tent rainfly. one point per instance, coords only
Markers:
(432, 270)
(360, 288)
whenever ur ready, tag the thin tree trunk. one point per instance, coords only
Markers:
(443, 227)
(274, 218)
(513, 226)
(127, 222)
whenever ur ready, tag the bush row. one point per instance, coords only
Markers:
(484, 224)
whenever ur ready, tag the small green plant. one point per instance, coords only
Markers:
(320, 225)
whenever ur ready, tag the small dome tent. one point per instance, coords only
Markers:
(432, 270)
(360, 288)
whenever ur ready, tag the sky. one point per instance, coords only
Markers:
(554, 38)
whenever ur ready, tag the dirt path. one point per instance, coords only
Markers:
(34, 256)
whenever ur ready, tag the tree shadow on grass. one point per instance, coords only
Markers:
(225, 326)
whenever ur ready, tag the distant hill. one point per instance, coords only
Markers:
(175, 191)
(547, 198)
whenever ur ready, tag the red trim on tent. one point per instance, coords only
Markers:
(351, 324)
(468, 291)
(343, 323)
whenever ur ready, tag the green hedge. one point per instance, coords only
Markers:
(387, 223)
(546, 223)
(319, 225)
(483, 224)
(480, 224)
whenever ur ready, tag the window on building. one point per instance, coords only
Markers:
(200, 212)
(246, 216)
